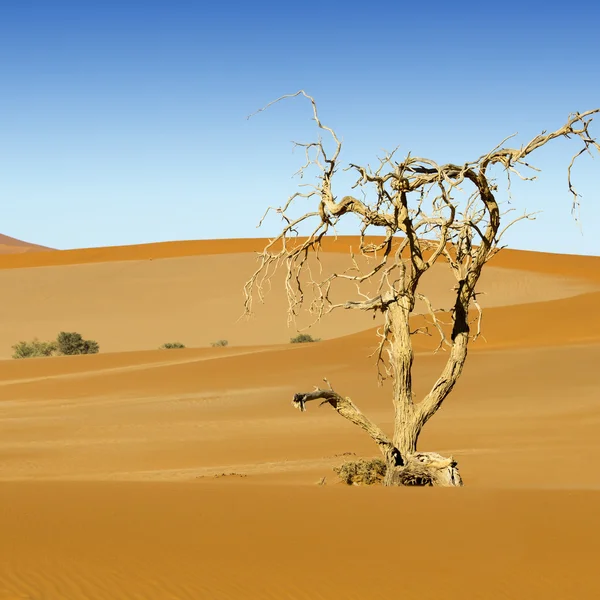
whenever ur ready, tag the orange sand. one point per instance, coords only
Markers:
(111, 466)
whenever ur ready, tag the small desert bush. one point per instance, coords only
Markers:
(34, 349)
(362, 472)
(172, 346)
(70, 343)
(219, 344)
(303, 338)
(66, 344)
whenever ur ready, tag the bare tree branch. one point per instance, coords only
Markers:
(346, 408)
(443, 339)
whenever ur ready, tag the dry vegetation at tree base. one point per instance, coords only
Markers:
(362, 472)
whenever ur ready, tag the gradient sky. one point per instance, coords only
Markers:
(124, 121)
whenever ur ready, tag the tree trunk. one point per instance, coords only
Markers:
(401, 360)
(407, 466)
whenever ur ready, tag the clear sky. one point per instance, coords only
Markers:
(125, 121)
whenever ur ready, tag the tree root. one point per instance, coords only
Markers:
(425, 469)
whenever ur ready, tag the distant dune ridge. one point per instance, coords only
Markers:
(186, 473)
(10, 245)
(138, 297)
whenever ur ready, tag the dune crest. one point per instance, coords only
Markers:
(12, 246)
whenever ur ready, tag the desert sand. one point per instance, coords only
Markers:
(10, 245)
(186, 474)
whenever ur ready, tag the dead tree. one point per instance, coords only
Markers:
(425, 217)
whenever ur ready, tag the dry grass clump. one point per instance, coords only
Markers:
(219, 344)
(303, 338)
(362, 472)
(172, 346)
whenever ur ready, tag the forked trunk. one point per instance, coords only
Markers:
(408, 466)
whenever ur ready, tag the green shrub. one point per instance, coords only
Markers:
(90, 347)
(66, 344)
(71, 343)
(303, 338)
(34, 349)
(362, 472)
(219, 344)
(172, 346)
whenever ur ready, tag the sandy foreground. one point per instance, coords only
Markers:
(140, 473)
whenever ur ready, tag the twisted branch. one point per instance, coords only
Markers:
(346, 408)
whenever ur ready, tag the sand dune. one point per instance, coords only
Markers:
(152, 416)
(144, 473)
(12, 246)
(140, 304)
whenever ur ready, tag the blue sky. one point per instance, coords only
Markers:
(125, 122)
